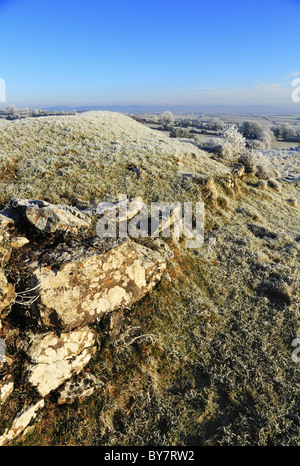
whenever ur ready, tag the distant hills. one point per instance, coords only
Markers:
(182, 109)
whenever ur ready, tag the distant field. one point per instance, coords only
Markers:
(267, 121)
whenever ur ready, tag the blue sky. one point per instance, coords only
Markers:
(191, 52)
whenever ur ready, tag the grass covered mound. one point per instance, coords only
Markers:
(94, 156)
(206, 357)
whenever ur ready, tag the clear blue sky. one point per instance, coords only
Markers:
(71, 52)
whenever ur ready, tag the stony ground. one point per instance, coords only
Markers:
(215, 366)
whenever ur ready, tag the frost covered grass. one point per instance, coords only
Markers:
(233, 149)
(217, 369)
(286, 161)
(86, 158)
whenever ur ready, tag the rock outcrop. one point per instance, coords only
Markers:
(21, 421)
(5, 246)
(53, 359)
(63, 288)
(7, 292)
(51, 218)
(77, 285)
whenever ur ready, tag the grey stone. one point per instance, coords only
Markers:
(51, 218)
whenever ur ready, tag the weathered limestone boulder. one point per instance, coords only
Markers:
(18, 242)
(78, 284)
(50, 361)
(6, 387)
(54, 359)
(7, 292)
(5, 246)
(51, 218)
(21, 422)
(76, 389)
(5, 221)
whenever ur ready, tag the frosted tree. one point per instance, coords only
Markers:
(215, 124)
(287, 131)
(11, 110)
(234, 143)
(260, 136)
(167, 119)
(251, 129)
(234, 150)
(284, 131)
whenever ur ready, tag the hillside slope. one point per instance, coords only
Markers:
(217, 367)
(92, 156)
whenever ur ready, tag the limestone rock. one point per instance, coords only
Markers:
(21, 422)
(6, 388)
(18, 242)
(7, 292)
(65, 289)
(5, 246)
(84, 385)
(151, 265)
(54, 359)
(50, 361)
(238, 170)
(78, 284)
(5, 221)
(51, 218)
